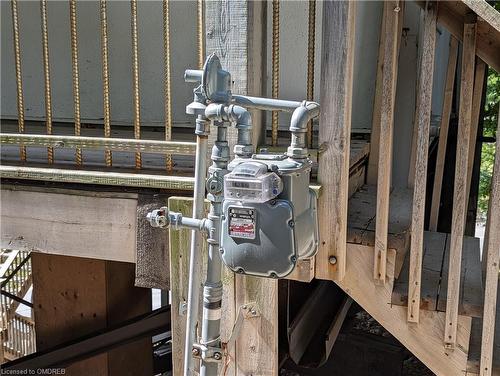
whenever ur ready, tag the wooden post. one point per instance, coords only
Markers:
(334, 135)
(235, 31)
(422, 121)
(492, 262)
(460, 188)
(74, 296)
(477, 96)
(388, 96)
(443, 133)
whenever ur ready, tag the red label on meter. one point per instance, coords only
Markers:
(241, 222)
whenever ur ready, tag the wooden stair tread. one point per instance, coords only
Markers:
(475, 343)
(361, 220)
(434, 286)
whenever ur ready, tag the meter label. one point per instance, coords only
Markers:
(242, 222)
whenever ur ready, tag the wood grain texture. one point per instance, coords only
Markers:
(485, 11)
(422, 122)
(452, 15)
(389, 79)
(334, 134)
(460, 188)
(95, 225)
(477, 96)
(423, 340)
(492, 266)
(443, 133)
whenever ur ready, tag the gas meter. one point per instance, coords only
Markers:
(269, 215)
(263, 216)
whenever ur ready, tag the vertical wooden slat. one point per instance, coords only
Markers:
(76, 80)
(443, 133)
(167, 82)
(46, 74)
(459, 195)
(105, 80)
(477, 96)
(422, 122)
(135, 79)
(275, 80)
(311, 40)
(334, 135)
(389, 79)
(492, 266)
(19, 76)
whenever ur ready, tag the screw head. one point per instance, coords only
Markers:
(332, 260)
(291, 224)
(217, 356)
(195, 351)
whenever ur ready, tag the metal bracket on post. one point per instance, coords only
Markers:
(246, 311)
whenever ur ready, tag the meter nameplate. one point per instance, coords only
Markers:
(241, 222)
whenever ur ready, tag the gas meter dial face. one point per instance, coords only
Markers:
(241, 222)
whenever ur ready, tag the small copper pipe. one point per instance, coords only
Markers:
(105, 80)
(135, 79)
(19, 78)
(275, 69)
(46, 72)
(167, 80)
(201, 32)
(76, 80)
(310, 64)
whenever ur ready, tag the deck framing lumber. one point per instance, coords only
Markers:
(388, 94)
(422, 122)
(492, 262)
(334, 136)
(443, 133)
(460, 186)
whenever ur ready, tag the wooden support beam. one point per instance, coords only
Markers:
(388, 94)
(492, 265)
(453, 16)
(460, 187)
(235, 31)
(443, 133)
(422, 122)
(485, 11)
(100, 225)
(334, 135)
(75, 296)
(477, 96)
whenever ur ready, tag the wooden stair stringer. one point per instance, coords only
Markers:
(424, 340)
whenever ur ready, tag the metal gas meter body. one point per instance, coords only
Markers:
(269, 215)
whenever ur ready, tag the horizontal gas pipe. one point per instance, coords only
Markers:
(117, 144)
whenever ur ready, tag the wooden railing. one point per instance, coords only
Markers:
(17, 332)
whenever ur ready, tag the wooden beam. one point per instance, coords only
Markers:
(492, 263)
(235, 31)
(485, 11)
(453, 15)
(460, 186)
(389, 79)
(100, 225)
(477, 96)
(443, 133)
(422, 122)
(334, 135)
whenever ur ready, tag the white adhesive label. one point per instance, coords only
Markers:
(212, 314)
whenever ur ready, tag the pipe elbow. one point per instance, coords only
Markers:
(301, 116)
(240, 116)
(215, 112)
